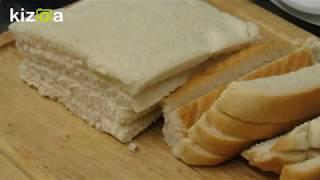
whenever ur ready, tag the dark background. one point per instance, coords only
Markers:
(274, 9)
(53, 4)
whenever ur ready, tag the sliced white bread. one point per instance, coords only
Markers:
(261, 155)
(181, 119)
(155, 41)
(193, 154)
(276, 99)
(245, 130)
(293, 147)
(186, 122)
(215, 141)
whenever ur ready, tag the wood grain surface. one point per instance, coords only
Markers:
(39, 139)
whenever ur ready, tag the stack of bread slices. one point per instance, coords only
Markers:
(261, 104)
(111, 62)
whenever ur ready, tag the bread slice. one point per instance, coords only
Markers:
(314, 134)
(311, 153)
(193, 154)
(178, 122)
(262, 156)
(307, 170)
(296, 140)
(276, 99)
(245, 130)
(152, 43)
(293, 147)
(215, 141)
(223, 70)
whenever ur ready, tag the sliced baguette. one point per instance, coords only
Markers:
(245, 130)
(293, 147)
(296, 140)
(193, 154)
(262, 156)
(215, 141)
(188, 115)
(307, 170)
(275, 99)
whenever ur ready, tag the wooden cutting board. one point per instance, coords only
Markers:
(39, 139)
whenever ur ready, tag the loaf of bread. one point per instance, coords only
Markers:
(295, 155)
(204, 125)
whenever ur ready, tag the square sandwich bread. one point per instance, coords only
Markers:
(112, 62)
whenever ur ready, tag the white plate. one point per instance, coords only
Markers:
(311, 18)
(307, 6)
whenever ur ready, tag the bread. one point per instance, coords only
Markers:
(244, 130)
(164, 43)
(86, 102)
(262, 156)
(215, 141)
(283, 152)
(223, 70)
(242, 62)
(206, 143)
(266, 98)
(307, 170)
(197, 120)
(113, 71)
(195, 154)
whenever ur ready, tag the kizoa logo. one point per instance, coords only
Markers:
(41, 15)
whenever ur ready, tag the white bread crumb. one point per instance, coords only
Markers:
(133, 147)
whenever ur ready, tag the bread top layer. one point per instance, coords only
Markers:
(140, 43)
(302, 80)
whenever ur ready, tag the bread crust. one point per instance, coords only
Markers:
(308, 170)
(281, 153)
(218, 133)
(193, 154)
(259, 107)
(245, 130)
(277, 162)
(192, 112)
(214, 141)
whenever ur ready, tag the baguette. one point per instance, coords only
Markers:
(195, 154)
(215, 141)
(245, 130)
(262, 156)
(197, 120)
(307, 170)
(291, 148)
(276, 99)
